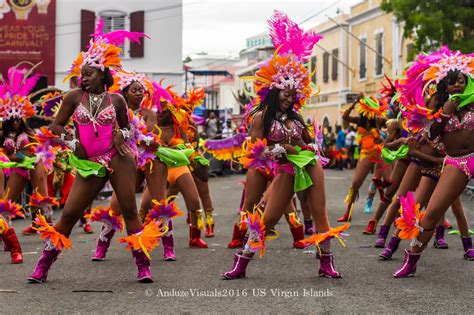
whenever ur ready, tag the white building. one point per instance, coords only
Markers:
(161, 20)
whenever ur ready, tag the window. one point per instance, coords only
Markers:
(113, 20)
(325, 67)
(335, 64)
(313, 67)
(379, 54)
(363, 58)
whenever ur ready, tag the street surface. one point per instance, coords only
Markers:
(284, 280)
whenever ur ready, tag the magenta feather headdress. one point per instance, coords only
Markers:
(289, 38)
(103, 51)
(14, 92)
(428, 70)
(286, 69)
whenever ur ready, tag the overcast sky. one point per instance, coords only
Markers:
(220, 27)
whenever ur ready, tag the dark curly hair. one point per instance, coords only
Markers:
(442, 87)
(271, 103)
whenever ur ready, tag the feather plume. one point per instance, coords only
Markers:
(48, 232)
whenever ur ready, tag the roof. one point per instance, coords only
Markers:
(223, 73)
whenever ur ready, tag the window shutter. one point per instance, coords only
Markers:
(378, 58)
(87, 27)
(325, 67)
(335, 56)
(362, 65)
(137, 24)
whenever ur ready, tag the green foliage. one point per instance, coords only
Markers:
(432, 23)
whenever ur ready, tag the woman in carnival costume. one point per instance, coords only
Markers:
(173, 120)
(372, 114)
(199, 164)
(62, 175)
(411, 177)
(22, 160)
(430, 156)
(282, 84)
(451, 73)
(260, 175)
(395, 156)
(99, 153)
(143, 98)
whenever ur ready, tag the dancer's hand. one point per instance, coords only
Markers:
(413, 145)
(290, 149)
(80, 152)
(120, 145)
(152, 147)
(449, 107)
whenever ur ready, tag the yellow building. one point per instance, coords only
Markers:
(330, 58)
(376, 46)
(368, 44)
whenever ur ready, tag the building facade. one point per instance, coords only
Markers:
(160, 57)
(356, 52)
(330, 60)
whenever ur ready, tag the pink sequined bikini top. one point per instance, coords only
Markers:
(20, 142)
(467, 123)
(105, 117)
(279, 132)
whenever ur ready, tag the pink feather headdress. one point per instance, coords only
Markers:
(103, 51)
(286, 68)
(428, 70)
(15, 90)
(123, 79)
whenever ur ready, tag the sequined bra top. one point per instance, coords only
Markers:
(467, 123)
(105, 117)
(12, 145)
(279, 132)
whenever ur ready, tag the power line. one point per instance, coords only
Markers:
(319, 12)
(360, 41)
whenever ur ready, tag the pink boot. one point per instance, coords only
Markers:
(408, 268)
(468, 251)
(168, 244)
(439, 241)
(48, 257)
(390, 249)
(143, 265)
(326, 268)
(239, 268)
(103, 243)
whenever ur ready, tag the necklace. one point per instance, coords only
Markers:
(95, 100)
(281, 116)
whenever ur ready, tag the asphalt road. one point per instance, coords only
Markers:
(284, 280)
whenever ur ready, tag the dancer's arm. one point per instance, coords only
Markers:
(347, 113)
(426, 157)
(122, 120)
(65, 112)
(438, 126)
(390, 142)
(257, 127)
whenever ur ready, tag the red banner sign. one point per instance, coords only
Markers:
(28, 33)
